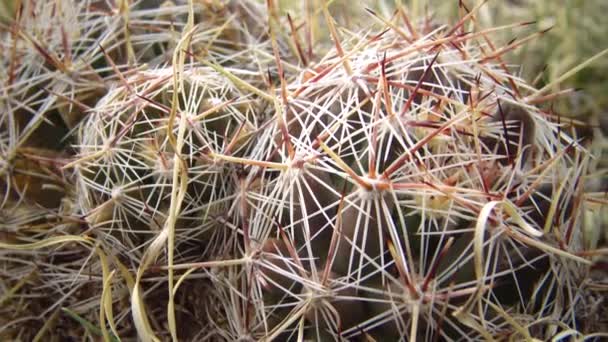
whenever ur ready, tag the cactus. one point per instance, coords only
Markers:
(223, 183)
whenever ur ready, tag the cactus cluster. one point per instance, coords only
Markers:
(193, 170)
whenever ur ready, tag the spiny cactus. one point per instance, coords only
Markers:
(223, 185)
(393, 193)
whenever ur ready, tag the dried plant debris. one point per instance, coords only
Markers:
(220, 171)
